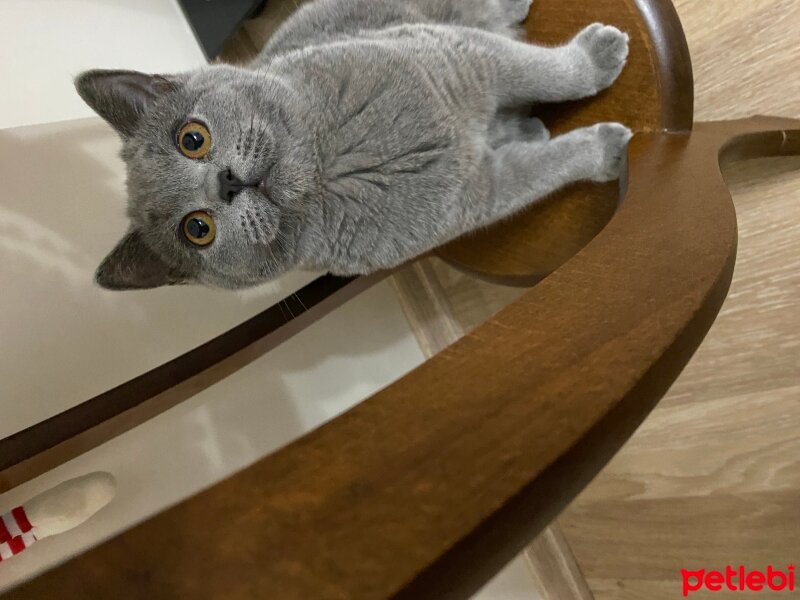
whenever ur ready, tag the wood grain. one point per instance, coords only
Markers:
(554, 567)
(726, 435)
(427, 308)
(555, 574)
(713, 476)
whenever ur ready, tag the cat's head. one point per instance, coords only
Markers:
(217, 173)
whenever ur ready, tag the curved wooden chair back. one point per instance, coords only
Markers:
(426, 489)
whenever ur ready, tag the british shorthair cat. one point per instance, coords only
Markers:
(366, 133)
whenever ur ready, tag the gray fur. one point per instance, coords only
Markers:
(382, 128)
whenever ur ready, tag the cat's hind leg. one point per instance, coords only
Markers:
(524, 172)
(526, 73)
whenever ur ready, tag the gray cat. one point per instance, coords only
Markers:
(365, 134)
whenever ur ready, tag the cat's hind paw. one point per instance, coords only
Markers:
(607, 49)
(612, 145)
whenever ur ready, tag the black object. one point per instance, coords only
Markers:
(214, 21)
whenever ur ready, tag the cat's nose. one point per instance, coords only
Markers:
(230, 185)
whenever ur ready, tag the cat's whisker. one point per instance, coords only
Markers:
(283, 314)
(289, 308)
(296, 297)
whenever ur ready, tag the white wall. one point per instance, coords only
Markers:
(45, 43)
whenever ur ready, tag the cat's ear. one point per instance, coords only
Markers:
(133, 266)
(122, 98)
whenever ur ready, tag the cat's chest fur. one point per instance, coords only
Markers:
(399, 120)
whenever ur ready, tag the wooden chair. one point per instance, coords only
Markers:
(428, 488)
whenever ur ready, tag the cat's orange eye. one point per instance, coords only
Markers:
(194, 140)
(199, 228)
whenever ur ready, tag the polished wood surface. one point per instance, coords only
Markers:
(654, 92)
(549, 562)
(427, 488)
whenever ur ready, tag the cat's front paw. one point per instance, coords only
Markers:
(611, 142)
(607, 49)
